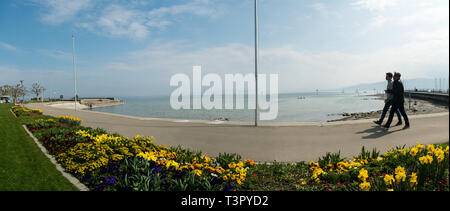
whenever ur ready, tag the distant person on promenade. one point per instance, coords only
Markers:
(388, 102)
(398, 102)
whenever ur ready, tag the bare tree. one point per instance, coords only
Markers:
(17, 91)
(5, 90)
(37, 89)
(14, 93)
(22, 90)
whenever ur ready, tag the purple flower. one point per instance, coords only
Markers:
(228, 188)
(110, 180)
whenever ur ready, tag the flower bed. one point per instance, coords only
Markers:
(36, 112)
(22, 111)
(69, 120)
(110, 162)
(402, 169)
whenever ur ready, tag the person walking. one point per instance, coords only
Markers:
(388, 102)
(398, 101)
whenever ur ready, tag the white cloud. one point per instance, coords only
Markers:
(433, 15)
(298, 70)
(8, 46)
(378, 21)
(119, 21)
(325, 10)
(375, 5)
(441, 34)
(196, 7)
(60, 11)
(409, 15)
(122, 19)
(423, 52)
(320, 7)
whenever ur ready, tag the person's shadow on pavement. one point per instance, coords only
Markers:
(376, 132)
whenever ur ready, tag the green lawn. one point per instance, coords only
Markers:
(23, 167)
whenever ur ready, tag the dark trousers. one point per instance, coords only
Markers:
(387, 105)
(401, 108)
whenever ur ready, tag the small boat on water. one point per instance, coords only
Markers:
(301, 97)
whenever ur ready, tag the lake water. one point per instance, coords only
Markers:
(314, 107)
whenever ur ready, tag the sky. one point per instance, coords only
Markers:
(134, 47)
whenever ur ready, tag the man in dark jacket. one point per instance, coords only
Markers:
(398, 101)
(388, 102)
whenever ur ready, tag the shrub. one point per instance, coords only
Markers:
(37, 111)
(224, 158)
(42, 123)
(21, 111)
(70, 120)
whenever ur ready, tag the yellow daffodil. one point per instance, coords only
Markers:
(389, 179)
(427, 159)
(197, 172)
(365, 186)
(420, 147)
(439, 154)
(363, 174)
(232, 165)
(400, 174)
(430, 148)
(414, 152)
(413, 179)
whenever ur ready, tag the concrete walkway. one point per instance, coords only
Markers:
(282, 142)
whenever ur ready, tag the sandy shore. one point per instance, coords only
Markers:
(412, 107)
(71, 105)
(67, 105)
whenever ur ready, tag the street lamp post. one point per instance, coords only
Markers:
(74, 71)
(256, 62)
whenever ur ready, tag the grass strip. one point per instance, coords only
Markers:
(23, 167)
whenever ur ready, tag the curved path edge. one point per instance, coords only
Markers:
(280, 142)
(237, 123)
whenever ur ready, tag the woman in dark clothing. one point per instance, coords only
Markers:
(398, 101)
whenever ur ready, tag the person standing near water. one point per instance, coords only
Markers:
(388, 102)
(398, 101)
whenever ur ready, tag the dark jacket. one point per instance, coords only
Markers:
(398, 91)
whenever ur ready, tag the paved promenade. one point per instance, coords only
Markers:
(282, 142)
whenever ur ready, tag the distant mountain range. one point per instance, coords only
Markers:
(411, 84)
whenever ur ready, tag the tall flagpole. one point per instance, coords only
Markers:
(74, 71)
(42, 80)
(256, 62)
